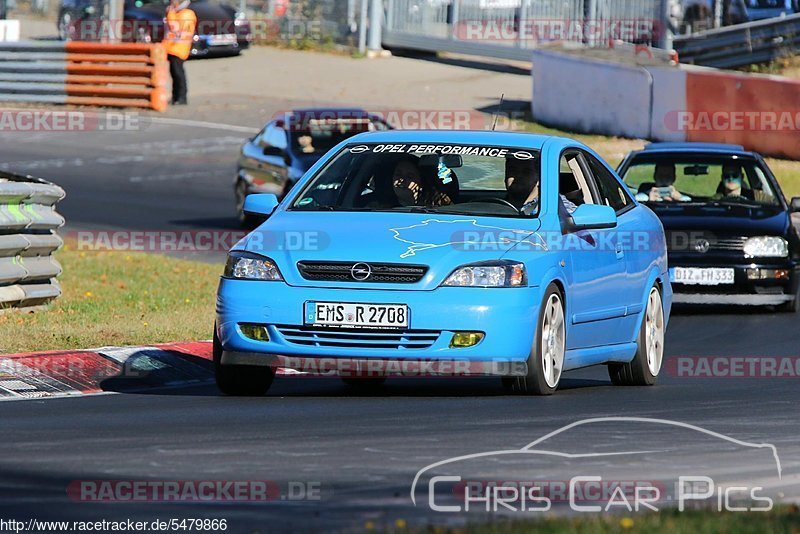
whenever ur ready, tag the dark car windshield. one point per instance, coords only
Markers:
(442, 178)
(699, 179)
(317, 136)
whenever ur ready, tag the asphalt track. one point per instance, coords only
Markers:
(361, 451)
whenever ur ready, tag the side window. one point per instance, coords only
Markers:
(612, 193)
(572, 181)
(275, 136)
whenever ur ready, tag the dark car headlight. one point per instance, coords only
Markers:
(766, 247)
(248, 266)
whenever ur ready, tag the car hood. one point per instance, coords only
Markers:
(149, 13)
(724, 219)
(440, 242)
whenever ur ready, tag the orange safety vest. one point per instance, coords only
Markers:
(180, 32)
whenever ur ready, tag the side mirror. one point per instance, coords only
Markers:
(262, 204)
(795, 205)
(594, 217)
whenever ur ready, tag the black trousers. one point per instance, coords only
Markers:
(178, 79)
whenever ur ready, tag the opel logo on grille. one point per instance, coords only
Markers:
(360, 271)
(702, 245)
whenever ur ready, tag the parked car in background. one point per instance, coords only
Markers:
(728, 226)
(221, 30)
(287, 146)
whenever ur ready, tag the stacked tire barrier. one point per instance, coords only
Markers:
(28, 224)
(84, 73)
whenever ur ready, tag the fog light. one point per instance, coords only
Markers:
(767, 274)
(257, 332)
(465, 339)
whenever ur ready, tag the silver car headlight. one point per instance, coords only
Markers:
(249, 266)
(494, 274)
(766, 247)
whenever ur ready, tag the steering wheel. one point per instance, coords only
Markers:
(495, 200)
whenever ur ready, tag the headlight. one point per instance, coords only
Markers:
(496, 274)
(249, 266)
(763, 247)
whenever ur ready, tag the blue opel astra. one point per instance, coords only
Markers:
(430, 253)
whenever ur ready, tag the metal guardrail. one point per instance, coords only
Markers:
(742, 44)
(84, 73)
(492, 28)
(28, 224)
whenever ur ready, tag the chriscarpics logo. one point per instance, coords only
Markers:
(608, 464)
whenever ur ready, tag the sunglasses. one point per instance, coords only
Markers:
(732, 178)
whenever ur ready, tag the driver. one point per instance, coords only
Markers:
(522, 185)
(731, 184)
(407, 182)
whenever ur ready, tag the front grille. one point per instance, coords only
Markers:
(687, 240)
(341, 271)
(358, 338)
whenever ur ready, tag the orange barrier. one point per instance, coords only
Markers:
(760, 112)
(91, 74)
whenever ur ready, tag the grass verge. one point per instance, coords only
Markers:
(782, 519)
(118, 298)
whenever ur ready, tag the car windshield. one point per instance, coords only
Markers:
(699, 179)
(442, 178)
(317, 136)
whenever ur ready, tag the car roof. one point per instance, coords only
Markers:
(477, 137)
(691, 147)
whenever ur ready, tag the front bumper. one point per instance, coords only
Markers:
(202, 47)
(507, 317)
(744, 290)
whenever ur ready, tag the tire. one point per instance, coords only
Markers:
(364, 384)
(646, 364)
(240, 193)
(240, 380)
(546, 359)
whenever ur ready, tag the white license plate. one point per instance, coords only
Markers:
(701, 276)
(350, 314)
(221, 40)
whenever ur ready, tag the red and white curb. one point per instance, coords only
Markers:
(80, 372)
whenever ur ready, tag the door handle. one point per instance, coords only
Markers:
(620, 252)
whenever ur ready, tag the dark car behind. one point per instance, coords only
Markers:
(221, 30)
(723, 248)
